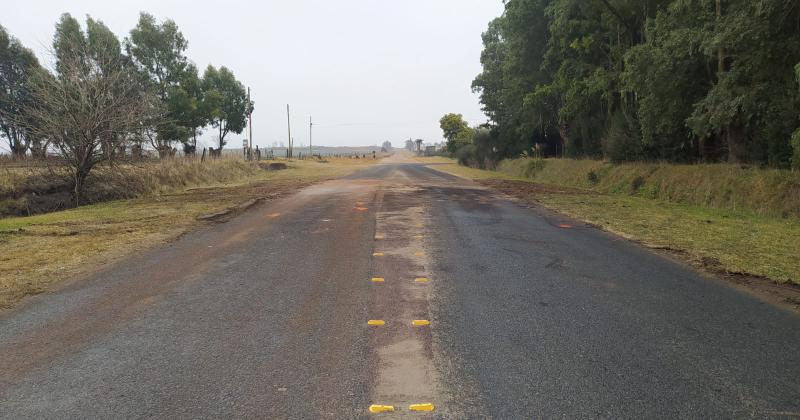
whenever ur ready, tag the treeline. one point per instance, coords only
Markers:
(674, 80)
(104, 97)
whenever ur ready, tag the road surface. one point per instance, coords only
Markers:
(484, 308)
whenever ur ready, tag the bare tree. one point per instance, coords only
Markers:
(92, 103)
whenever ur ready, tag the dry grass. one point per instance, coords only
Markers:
(765, 192)
(38, 252)
(721, 239)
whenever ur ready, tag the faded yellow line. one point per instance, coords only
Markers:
(421, 407)
(378, 279)
(377, 408)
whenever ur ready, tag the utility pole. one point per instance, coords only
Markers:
(310, 125)
(289, 126)
(249, 121)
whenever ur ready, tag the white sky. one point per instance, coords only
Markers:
(367, 70)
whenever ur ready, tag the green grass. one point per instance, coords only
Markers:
(741, 241)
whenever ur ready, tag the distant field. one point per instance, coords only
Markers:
(318, 150)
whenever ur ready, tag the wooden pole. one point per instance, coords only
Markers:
(250, 118)
(289, 126)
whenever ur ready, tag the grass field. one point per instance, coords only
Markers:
(38, 252)
(713, 238)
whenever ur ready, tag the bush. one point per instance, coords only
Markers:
(796, 149)
(592, 177)
(466, 155)
(533, 166)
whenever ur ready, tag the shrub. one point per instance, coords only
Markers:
(592, 177)
(466, 155)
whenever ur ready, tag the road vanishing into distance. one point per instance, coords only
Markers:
(404, 288)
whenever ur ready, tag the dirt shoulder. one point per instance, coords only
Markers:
(39, 253)
(756, 254)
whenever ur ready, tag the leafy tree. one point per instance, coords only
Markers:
(682, 80)
(456, 131)
(16, 65)
(157, 50)
(93, 100)
(226, 100)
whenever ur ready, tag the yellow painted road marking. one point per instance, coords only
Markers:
(420, 322)
(418, 236)
(379, 237)
(376, 322)
(375, 408)
(274, 215)
(419, 254)
(377, 254)
(421, 407)
(378, 279)
(421, 280)
(361, 208)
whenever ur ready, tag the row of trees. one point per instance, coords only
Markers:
(103, 95)
(677, 80)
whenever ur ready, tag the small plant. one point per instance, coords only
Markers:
(593, 178)
(637, 184)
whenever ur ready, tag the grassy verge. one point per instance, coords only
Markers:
(37, 252)
(718, 240)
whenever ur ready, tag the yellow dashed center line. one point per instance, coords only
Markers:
(421, 407)
(375, 408)
(379, 408)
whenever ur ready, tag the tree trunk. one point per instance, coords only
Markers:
(737, 150)
(221, 139)
(18, 152)
(720, 50)
(80, 180)
(563, 132)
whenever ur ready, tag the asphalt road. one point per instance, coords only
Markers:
(529, 315)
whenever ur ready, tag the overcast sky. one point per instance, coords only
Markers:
(367, 70)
